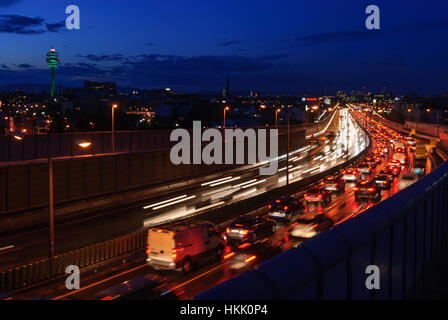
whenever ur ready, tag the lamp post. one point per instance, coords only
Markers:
(287, 152)
(115, 106)
(276, 117)
(225, 110)
(82, 144)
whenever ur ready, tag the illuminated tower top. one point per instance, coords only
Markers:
(53, 58)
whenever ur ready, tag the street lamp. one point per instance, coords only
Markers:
(115, 106)
(276, 116)
(82, 144)
(225, 110)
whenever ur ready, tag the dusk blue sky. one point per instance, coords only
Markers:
(267, 46)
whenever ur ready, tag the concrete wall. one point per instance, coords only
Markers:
(25, 186)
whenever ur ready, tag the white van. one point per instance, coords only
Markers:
(181, 245)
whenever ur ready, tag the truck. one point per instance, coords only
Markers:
(181, 245)
(420, 152)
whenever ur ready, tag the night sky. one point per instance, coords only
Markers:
(265, 45)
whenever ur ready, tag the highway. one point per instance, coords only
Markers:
(343, 207)
(234, 185)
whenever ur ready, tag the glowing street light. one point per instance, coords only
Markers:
(225, 110)
(276, 116)
(115, 106)
(84, 144)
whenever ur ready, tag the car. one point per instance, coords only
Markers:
(250, 228)
(285, 209)
(419, 170)
(382, 181)
(181, 245)
(389, 174)
(351, 175)
(410, 141)
(334, 184)
(365, 168)
(149, 287)
(247, 256)
(401, 157)
(309, 227)
(367, 190)
(371, 161)
(420, 152)
(396, 170)
(318, 194)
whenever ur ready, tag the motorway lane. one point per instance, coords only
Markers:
(28, 247)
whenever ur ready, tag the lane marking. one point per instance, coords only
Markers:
(196, 278)
(98, 283)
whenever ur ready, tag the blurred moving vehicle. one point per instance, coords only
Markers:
(389, 174)
(311, 226)
(365, 168)
(410, 141)
(318, 194)
(250, 228)
(285, 209)
(367, 190)
(181, 245)
(351, 175)
(334, 184)
(247, 256)
(382, 181)
(420, 152)
(143, 288)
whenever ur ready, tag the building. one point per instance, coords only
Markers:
(101, 89)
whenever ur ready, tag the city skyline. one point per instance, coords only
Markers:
(194, 47)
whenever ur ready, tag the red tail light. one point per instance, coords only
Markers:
(148, 250)
(356, 189)
(245, 232)
(270, 206)
(228, 230)
(228, 256)
(371, 190)
(250, 259)
(286, 208)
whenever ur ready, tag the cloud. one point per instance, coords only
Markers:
(16, 24)
(55, 27)
(228, 43)
(103, 58)
(336, 37)
(25, 66)
(359, 35)
(8, 3)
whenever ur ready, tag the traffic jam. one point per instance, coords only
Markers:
(288, 221)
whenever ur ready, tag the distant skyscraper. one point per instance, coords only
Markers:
(53, 62)
(228, 87)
